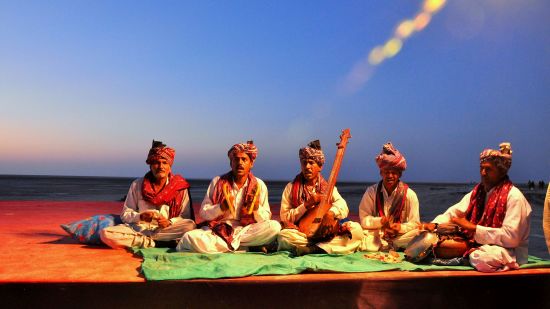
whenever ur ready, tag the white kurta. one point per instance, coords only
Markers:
(135, 233)
(502, 248)
(290, 238)
(262, 232)
(371, 223)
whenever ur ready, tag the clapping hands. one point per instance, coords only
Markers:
(313, 201)
(391, 229)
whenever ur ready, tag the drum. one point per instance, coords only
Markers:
(446, 243)
(421, 246)
(450, 247)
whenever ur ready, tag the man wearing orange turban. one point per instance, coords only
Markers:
(157, 207)
(388, 211)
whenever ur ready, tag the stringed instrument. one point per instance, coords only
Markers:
(311, 220)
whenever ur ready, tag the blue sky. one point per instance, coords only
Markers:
(86, 85)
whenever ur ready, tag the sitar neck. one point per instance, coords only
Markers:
(337, 163)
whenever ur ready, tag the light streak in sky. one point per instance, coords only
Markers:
(404, 30)
(363, 70)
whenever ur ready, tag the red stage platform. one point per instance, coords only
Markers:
(41, 266)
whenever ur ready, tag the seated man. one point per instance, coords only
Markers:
(157, 207)
(303, 194)
(388, 211)
(495, 215)
(236, 208)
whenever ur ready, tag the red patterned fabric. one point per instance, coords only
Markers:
(224, 231)
(490, 214)
(390, 157)
(299, 195)
(171, 195)
(396, 209)
(157, 153)
(250, 191)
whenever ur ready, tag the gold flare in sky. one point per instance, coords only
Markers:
(362, 71)
(404, 30)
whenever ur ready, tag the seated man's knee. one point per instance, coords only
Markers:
(193, 236)
(274, 226)
(283, 241)
(109, 238)
(490, 258)
(187, 225)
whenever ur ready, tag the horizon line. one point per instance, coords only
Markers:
(209, 179)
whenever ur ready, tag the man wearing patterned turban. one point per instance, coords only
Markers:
(389, 211)
(236, 209)
(157, 208)
(305, 193)
(495, 215)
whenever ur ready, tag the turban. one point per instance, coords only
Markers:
(160, 151)
(501, 158)
(249, 148)
(313, 151)
(391, 157)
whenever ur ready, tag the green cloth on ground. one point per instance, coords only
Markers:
(167, 264)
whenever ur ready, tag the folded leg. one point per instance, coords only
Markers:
(257, 234)
(202, 241)
(124, 236)
(490, 258)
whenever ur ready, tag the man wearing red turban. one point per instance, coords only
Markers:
(495, 215)
(388, 211)
(157, 207)
(236, 209)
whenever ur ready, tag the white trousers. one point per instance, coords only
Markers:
(135, 235)
(203, 240)
(372, 240)
(491, 258)
(291, 238)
